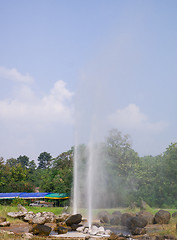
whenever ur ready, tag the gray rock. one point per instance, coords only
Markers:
(162, 217)
(124, 218)
(138, 231)
(115, 219)
(22, 209)
(80, 229)
(38, 220)
(146, 215)
(74, 219)
(27, 235)
(16, 214)
(136, 222)
(49, 216)
(104, 217)
(29, 216)
(94, 230)
(40, 229)
(4, 224)
(174, 215)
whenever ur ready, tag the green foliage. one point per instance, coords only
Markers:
(129, 178)
(23, 160)
(44, 160)
(17, 201)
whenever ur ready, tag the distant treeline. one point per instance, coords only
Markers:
(130, 178)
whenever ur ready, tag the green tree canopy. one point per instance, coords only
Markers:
(44, 160)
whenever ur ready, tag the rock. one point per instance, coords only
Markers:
(4, 224)
(117, 213)
(38, 220)
(162, 217)
(163, 237)
(80, 229)
(22, 209)
(27, 235)
(136, 222)
(115, 220)
(103, 216)
(94, 230)
(16, 214)
(74, 219)
(174, 215)
(101, 230)
(138, 231)
(75, 226)
(124, 218)
(39, 214)
(2, 219)
(62, 217)
(40, 229)
(29, 216)
(147, 216)
(61, 230)
(114, 236)
(49, 217)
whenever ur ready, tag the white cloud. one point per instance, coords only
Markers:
(28, 108)
(131, 118)
(31, 124)
(148, 138)
(13, 75)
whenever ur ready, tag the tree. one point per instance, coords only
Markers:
(121, 163)
(170, 174)
(11, 162)
(23, 160)
(44, 160)
(64, 160)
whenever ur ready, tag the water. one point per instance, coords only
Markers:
(90, 185)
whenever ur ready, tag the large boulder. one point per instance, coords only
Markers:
(138, 231)
(74, 219)
(40, 229)
(124, 218)
(174, 215)
(147, 216)
(162, 217)
(136, 222)
(115, 218)
(104, 217)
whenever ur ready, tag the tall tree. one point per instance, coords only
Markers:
(23, 160)
(44, 160)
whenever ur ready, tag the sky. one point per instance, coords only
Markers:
(68, 67)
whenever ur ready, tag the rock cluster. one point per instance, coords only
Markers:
(136, 223)
(94, 230)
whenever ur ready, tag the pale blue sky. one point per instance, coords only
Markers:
(114, 60)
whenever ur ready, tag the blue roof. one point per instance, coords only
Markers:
(9, 195)
(33, 195)
(22, 195)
